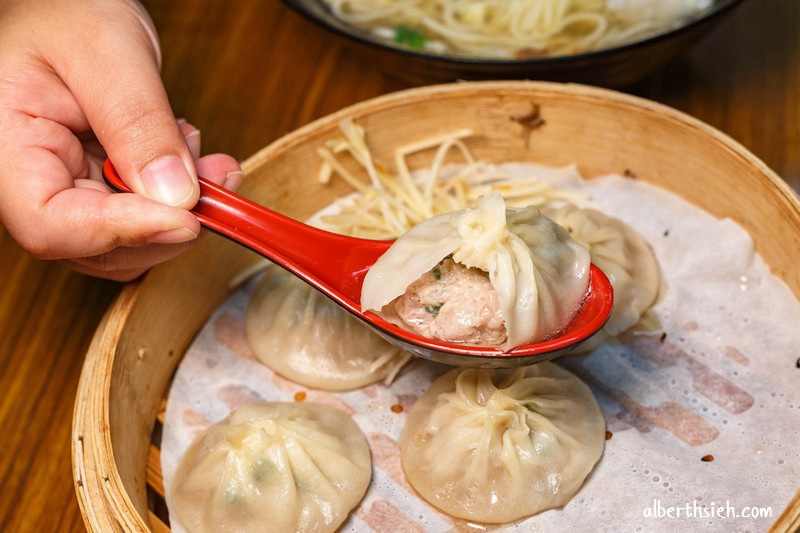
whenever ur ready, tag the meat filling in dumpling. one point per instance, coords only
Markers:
(453, 303)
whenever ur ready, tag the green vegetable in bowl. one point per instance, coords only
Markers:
(410, 37)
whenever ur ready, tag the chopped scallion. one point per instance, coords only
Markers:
(409, 37)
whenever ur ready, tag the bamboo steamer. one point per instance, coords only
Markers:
(143, 336)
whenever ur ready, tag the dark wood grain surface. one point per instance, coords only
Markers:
(248, 71)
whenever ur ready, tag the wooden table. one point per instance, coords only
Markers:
(248, 71)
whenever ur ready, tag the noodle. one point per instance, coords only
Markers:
(515, 28)
(385, 205)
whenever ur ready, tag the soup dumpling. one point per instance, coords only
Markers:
(537, 275)
(304, 336)
(273, 466)
(624, 256)
(495, 446)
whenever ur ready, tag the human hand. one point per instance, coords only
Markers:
(70, 70)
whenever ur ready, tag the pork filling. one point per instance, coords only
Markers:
(453, 303)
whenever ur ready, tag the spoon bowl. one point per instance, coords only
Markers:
(336, 265)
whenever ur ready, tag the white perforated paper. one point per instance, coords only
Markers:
(719, 378)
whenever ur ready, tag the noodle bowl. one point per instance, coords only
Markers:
(515, 29)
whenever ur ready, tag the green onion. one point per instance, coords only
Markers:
(409, 37)
(433, 309)
(261, 468)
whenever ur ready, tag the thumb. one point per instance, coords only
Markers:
(117, 84)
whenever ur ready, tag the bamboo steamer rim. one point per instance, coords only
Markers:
(102, 497)
(578, 91)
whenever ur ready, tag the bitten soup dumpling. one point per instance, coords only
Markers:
(488, 275)
(273, 466)
(495, 446)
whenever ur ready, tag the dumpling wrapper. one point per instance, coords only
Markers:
(539, 273)
(624, 256)
(273, 466)
(496, 446)
(304, 336)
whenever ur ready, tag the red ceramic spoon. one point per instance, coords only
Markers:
(336, 265)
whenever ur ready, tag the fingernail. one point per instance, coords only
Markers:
(233, 180)
(193, 141)
(173, 236)
(181, 120)
(167, 180)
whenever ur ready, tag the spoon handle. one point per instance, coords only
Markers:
(333, 263)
